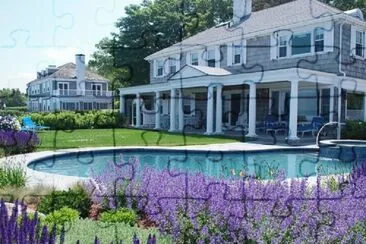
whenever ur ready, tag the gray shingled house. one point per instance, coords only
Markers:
(69, 87)
(295, 61)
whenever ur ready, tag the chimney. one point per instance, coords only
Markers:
(80, 71)
(241, 9)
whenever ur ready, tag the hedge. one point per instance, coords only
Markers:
(80, 120)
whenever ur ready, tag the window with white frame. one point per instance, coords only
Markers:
(282, 47)
(97, 89)
(301, 44)
(319, 40)
(211, 62)
(360, 39)
(63, 88)
(159, 68)
(237, 50)
(194, 58)
(172, 65)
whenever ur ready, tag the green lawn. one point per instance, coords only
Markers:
(52, 140)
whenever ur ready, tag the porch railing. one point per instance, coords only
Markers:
(86, 93)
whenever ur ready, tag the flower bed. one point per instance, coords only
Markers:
(13, 142)
(194, 208)
(9, 123)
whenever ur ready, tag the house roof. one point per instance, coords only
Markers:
(298, 11)
(68, 71)
(189, 71)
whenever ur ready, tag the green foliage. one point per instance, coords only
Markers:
(80, 120)
(355, 130)
(358, 229)
(61, 217)
(14, 176)
(75, 198)
(85, 230)
(12, 98)
(148, 28)
(122, 215)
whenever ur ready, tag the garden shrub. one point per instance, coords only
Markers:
(75, 198)
(122, 215)
(12, 176)
(69, 120)
(354, 130)
(9, 123)
(61, 217)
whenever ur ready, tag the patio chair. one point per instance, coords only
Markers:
(313, 127)
(30, 125)
(271, 123)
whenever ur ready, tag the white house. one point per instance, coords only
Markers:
(69, 87)
(294, 61)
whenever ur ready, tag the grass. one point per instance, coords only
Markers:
(85, 231)
(53, 140)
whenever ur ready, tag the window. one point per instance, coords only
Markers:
(282, 49)
(319, 40)
(97, 89)
(194, 58)
(301, 43)
(360, 37)
(172, 66)
(211, 58)
(63, 88)
(237, 54)
(160, 68)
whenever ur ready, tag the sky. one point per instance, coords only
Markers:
(38, 33)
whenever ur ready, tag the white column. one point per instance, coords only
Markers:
(209, 120)
(364, 107)
(331, 104)
(157, 110)
(173, 95)
(293, 110)
(138, 110)
(218, 109)
(122, 104)
(339, 109)
(180, 111)
(252, 110)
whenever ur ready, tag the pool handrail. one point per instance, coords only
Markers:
(325, 125)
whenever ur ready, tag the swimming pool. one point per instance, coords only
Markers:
(262, 164)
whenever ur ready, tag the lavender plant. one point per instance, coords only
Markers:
(187, 205)
(27, 230)
(14, 142)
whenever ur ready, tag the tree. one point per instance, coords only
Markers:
(12, 98)
(150, 27)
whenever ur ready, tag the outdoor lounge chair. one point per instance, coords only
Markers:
(271, 123)
(313, 127)
(30, 125)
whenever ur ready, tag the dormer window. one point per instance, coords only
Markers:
(237, 54)
(211, 62)
(194, 58)
(282, 48)
(319, 40)
(301, 44)
(360, 38)
(159, 68)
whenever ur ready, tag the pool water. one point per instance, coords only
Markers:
(265, 165)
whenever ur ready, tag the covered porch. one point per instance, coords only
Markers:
(213, 101)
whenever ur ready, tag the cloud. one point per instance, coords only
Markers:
(17, 80)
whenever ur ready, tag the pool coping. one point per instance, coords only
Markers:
(62, 182)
